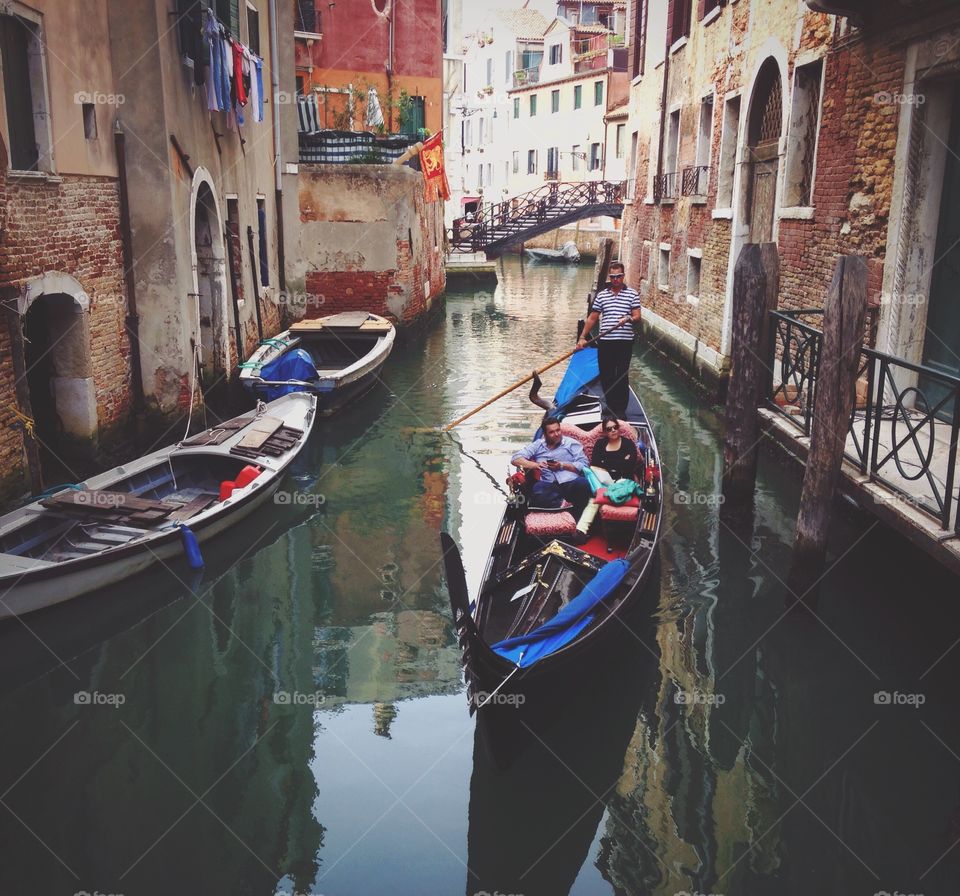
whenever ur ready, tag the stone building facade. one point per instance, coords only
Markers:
(820, 129)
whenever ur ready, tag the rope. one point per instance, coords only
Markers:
(28, 423)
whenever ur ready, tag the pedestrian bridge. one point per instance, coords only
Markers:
(555, 204)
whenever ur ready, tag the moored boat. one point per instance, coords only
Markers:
(153, 509)
(547, 603)
(337, 358)
(567, 254)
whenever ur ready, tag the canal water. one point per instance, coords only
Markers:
(293, 719)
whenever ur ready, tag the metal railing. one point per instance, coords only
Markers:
(665, 186)
(695, 180)
(905, 423)
(525, 76)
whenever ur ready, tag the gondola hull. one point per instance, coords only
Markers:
(509, 698)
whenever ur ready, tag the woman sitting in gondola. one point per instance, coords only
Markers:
(614, 457)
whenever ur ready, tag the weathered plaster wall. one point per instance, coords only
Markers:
(369, 241)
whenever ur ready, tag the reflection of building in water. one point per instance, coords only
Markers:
(399, 655)
(383, 716)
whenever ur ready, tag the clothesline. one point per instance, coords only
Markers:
(234, 73)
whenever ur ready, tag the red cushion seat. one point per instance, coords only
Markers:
(549, 525)
(602, 499)
(620, 513)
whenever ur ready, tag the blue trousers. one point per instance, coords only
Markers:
(551, 494)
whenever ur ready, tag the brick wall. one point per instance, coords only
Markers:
(853, 178)
(71, 227)
(370, 241)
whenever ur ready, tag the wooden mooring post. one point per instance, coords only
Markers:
(755, 283)
(843, 319)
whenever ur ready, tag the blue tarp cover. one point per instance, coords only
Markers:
(583, 368)
(292, 365)
(567, 624)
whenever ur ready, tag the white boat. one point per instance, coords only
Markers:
(337, 358)
(152, 510)
(567, 254)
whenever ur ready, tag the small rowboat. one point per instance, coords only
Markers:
(547, 604)
(568, 254)
(153, 509)
(337, 358)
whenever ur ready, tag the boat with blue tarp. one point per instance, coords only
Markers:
(549, 596)
(337, 358)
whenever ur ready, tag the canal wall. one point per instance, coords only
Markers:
(369, 241)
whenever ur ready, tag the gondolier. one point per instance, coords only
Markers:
(617, 304)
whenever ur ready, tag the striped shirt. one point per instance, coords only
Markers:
(613, 306)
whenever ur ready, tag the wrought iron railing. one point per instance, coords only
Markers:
(905, 423)
(665, 186)
(526, 76)
(695, 180)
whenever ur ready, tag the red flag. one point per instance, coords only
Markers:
(434, 172)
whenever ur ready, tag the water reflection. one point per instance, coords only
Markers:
(738, 750)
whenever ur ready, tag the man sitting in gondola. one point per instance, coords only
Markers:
(560, 461)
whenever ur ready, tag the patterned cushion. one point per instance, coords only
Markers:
(620, 514)
(575, 432)
(547, 525)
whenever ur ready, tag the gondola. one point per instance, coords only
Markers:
(156, 508)
(568, 254)
(547, 605)
(337, 358)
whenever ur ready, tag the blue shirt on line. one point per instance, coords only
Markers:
(569, 451)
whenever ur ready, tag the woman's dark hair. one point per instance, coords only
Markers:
(608, 418)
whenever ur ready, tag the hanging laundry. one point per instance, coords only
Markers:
(249, 81)
(226, 96)
(211, 31)
(259, 82)
(239, 93)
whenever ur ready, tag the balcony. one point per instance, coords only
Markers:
(526, 76)
(695, 181)
(599, 52)
(665, 187)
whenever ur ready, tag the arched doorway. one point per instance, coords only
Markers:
(210, 289)
(764, 127)
(59, 376)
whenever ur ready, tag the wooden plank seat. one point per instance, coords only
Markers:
(219, 433)
(279, 443)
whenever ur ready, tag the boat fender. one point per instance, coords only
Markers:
(191, 547)
(226, 489)
(246, 476)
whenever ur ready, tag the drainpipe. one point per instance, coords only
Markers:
(277, 160)
(126, 238)
(390, 25)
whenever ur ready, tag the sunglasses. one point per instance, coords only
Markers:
(616, 276)
(611, 428)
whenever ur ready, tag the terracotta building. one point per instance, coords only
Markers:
(827, 127)
(343, 49)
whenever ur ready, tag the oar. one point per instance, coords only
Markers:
(529, 377)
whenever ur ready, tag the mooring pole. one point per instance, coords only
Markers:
(843, 319)
(755, 283)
